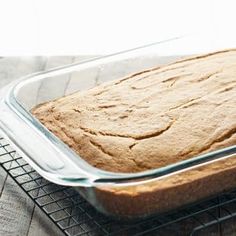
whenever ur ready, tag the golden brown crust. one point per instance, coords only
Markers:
(152, 118)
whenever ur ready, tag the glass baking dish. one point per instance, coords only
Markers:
(121, 195)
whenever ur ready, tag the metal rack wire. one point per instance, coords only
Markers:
(75, 217)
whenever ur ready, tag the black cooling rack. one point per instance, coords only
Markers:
(75, 217)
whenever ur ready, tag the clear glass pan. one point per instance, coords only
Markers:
(118, 194)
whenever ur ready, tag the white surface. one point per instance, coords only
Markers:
(62, 27)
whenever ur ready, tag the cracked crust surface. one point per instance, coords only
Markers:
(152, 118)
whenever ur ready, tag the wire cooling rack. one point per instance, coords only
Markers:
(75, 217)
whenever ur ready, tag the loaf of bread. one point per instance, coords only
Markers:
(151, 119)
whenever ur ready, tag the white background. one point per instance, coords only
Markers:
(67, 27)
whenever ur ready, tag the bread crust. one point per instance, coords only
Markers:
(152, 118)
